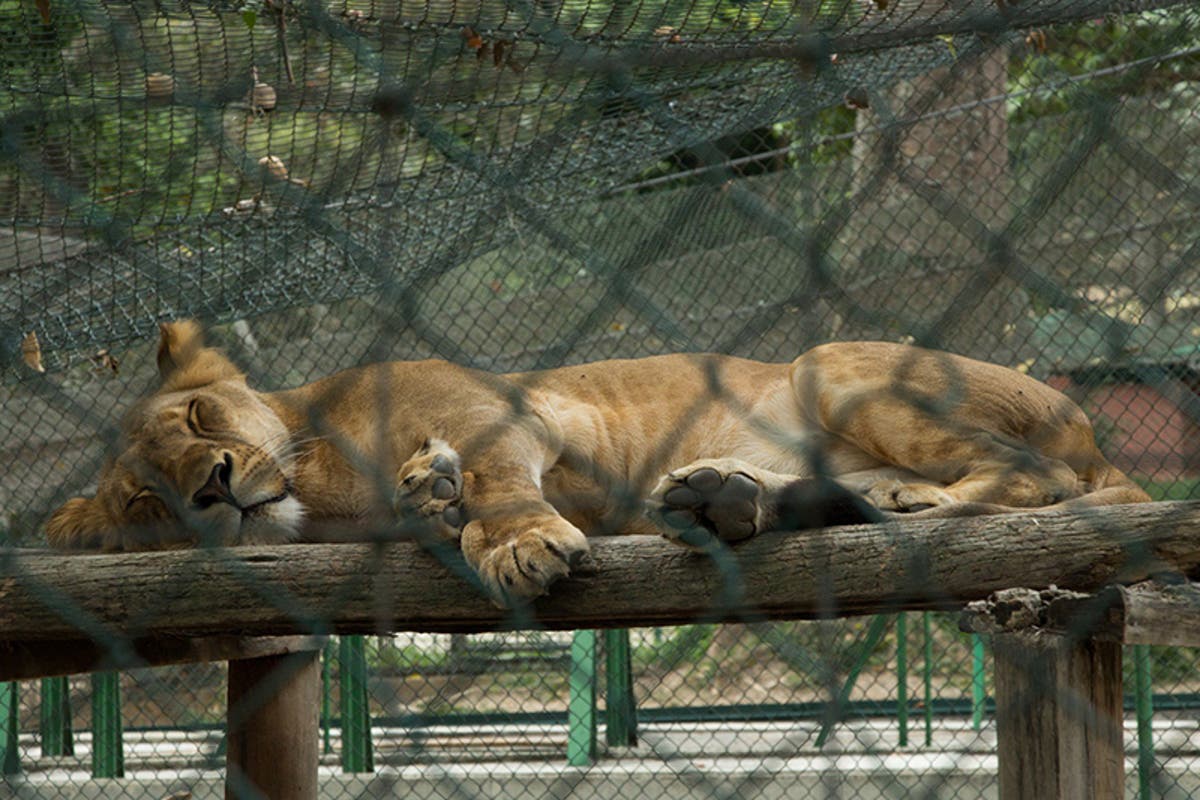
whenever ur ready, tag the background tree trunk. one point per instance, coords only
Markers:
(924, 146)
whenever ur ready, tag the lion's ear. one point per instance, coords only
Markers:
(79, 524)
(183, 360)
(178, 343)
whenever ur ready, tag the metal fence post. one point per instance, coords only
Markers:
(326, 698)
(875, 631)
(357, 754)
(55, 718)
(927, 682)
(1144, 700)
(108, 757)
(581, 703)
(902, 677)
(978, 681)
(620, 705)
(10, 759)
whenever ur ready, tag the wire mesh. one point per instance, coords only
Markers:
(517, 186)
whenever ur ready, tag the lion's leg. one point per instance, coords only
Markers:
(429, 486)
(1108, 496)
(953, 460)
(515, 540)
(733, 500)
(989, 470)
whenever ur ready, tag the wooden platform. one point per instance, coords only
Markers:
(1057, 643)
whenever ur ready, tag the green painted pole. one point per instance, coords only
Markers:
(978, 683)
(55, 718)
(1144, 701)
(902, 676)
(326, 697)
(581, 703)
(875, 631)
(10, 758)
(620, 706)
(356, 718)
(108, 756)
(927, 667)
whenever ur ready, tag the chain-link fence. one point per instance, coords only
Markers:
(514, 186)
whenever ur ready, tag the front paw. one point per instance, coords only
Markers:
(430, 486)
(525, 566)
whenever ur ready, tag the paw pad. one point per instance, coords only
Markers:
(722, 504)
(429, 485)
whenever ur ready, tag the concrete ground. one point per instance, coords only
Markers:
(696, 761)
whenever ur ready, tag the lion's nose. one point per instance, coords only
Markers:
(216, 489)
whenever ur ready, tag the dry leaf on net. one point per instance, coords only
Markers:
(31, 352)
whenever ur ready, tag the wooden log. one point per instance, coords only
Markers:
(44, 659)
(1145, 613)
(274, 704)
(366, 588)
(1150, 612)
(1058, 717)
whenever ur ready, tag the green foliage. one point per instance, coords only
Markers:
(684, 645)
(1072, 50)
(388, 657)
(30, 47)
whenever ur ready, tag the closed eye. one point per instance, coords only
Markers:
(193, 417)
(140, 494)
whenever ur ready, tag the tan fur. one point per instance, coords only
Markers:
(551, 454)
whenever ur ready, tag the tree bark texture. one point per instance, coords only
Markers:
(1058, 718)
(274, 708)
(373, 588)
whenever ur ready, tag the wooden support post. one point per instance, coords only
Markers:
(1058, 717)
(273, 742)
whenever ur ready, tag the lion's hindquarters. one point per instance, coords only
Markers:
(972, 432)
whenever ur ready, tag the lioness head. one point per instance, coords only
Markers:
(204, 459)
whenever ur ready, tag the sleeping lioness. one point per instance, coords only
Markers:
(517, 467)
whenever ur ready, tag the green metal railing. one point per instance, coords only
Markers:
(357, 754)
(55, 718)
(620, 712)
(581, 705)
(620, 705)
(108, 754)
(1145, 715)
(10, 757)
